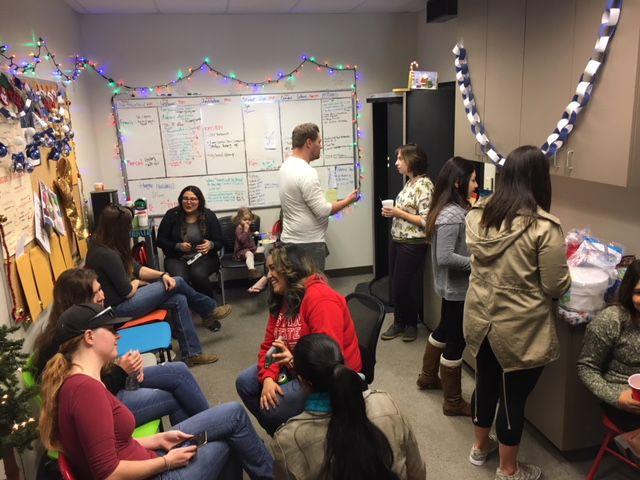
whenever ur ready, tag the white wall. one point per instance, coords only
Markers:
(610, 212)
(145, 49)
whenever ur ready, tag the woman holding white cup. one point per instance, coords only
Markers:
(408, 239)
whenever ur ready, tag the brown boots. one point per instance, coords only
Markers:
(451, 377)
(428, 378)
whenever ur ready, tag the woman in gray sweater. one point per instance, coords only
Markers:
(611, 353)
(451, 267)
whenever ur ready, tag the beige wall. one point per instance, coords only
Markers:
(611, 212)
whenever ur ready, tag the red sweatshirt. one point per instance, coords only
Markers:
(323, 310)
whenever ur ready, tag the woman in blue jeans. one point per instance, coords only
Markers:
(134, 291)
(167, 389)
(93, 428)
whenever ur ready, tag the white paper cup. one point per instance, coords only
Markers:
(634, 383)
(98, 187)
(387, 203)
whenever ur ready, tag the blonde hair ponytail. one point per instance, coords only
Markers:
(55, 373)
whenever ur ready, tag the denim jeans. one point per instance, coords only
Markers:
(179, 301)
(249, 388)
(231, 440)
(167, 389)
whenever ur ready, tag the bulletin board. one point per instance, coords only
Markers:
(231, 146)
(31, 267)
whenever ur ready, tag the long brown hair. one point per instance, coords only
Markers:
(452, 186)
(627, 287)
(72, 287)
(55, 373)
(415, 157)
(113, 231)
(295, 265)
(202, 219)
(523, 186)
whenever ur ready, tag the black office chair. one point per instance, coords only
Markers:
(228, 244)
(368, 314)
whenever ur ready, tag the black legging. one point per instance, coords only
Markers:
(405, 262)
(513, 394)
(449, 330)
(197, 274)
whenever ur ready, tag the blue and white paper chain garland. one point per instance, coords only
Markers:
(560, 134)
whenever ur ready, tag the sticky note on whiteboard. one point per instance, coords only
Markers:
(270, 142)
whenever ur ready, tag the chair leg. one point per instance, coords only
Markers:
(600, 455)
(221, 278)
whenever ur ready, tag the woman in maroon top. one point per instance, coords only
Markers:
(92, 428)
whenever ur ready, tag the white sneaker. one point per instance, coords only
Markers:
(525, 471)
(478, 457)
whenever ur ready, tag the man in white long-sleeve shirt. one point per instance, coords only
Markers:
(305, 210)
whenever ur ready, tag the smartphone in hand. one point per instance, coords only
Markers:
(197, 440)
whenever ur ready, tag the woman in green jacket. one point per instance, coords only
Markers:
(518, 269)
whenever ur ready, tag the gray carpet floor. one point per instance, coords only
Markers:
(444, 441)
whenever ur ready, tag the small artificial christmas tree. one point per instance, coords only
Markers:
(18, 428)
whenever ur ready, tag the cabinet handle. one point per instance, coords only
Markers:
(387, 161)
(570, 160)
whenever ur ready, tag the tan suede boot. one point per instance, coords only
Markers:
(428, 378)
(451, 376)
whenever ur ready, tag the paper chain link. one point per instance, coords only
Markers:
(582, 95)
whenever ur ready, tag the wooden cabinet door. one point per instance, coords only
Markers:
(548, 80)
(599, 147)
(503, 89)
(472, 30)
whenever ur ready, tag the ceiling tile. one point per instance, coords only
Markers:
(192, 6)
(390, 6)
(260, 6)
(119, 6)
(326, 6)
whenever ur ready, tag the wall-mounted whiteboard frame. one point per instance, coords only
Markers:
(166, 128)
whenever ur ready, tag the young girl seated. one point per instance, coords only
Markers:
(82, 419)
(245, 247)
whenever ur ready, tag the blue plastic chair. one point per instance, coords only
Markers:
(149, 338)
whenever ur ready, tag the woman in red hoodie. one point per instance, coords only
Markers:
(301, 302)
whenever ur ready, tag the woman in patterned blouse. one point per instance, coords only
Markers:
(611, 353)
(408, 239)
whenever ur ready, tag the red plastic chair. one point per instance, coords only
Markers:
(612, 431)
(159, 315)
(65, 468)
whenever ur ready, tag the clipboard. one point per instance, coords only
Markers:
(42, 274)
(66, 252)
(57, 258)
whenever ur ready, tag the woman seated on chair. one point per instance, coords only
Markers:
(611, 353)
(343, 433)
(301, 302)
(167, 389)
(92, 428)
(127, 290)
(186, 231)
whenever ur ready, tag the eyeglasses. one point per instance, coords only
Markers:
(190, 199)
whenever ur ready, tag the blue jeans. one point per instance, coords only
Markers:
(179, 301)
(167, 389)
(232, 445)
(249, 388)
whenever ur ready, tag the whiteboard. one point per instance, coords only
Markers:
(230, 146)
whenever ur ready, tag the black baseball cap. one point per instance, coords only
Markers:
(77, 319)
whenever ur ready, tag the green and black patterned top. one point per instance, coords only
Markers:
(610, 354)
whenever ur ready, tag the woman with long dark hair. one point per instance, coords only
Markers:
(92, 428)
(134, 291)
(442, 360)
(518, 269)
(300, 302)
(408, 245)
(166, 389)
(187, 230)
(611, 353)
(343, 433)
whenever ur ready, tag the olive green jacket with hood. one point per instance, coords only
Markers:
(516, 276)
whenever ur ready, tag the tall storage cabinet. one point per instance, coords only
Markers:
(525, 59)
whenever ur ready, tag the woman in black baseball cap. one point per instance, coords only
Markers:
(92, 428)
